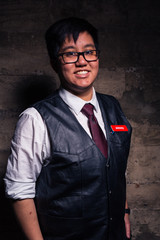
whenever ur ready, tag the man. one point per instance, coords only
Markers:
(66, 171)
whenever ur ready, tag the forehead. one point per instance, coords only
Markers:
(84, 40)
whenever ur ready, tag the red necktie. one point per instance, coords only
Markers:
(96, 131)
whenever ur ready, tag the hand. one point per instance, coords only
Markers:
(127, 225)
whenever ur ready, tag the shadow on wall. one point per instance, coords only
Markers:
(146, 234)
(34, 88)
(28, 90)
(9, 228)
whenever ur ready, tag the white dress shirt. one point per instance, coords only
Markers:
(30, 145)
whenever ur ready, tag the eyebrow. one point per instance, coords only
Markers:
(71, 47)
(66, 48)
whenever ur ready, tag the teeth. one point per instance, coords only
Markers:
(82, 72)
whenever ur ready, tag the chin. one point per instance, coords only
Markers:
(82, 89)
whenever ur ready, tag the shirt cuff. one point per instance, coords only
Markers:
(19, 190)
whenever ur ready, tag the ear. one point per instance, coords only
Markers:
(54, 65)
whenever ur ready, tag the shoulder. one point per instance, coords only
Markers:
(30, 120)
(110, 104)
(108, 99)
(30, 112)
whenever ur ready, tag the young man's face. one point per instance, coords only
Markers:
(78, 77)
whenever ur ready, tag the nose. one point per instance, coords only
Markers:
(81, 60)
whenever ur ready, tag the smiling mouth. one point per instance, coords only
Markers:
(82, 72)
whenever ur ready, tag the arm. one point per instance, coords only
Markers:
(27, 217)
(23, 168)
(127, 223)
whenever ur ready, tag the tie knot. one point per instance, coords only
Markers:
(88, 110)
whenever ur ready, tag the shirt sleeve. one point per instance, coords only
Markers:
(28, 150)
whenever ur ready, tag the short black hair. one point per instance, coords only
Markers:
(68, 27)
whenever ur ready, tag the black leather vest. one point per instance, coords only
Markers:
(80, 195)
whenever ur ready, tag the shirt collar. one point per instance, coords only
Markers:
(76, 103)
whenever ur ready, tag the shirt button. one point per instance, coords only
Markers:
(111, 218)
(107, 165)
(110, 191)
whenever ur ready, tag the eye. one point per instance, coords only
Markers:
(90, 52)
(70, 54)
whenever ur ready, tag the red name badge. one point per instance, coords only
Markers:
(119, 128)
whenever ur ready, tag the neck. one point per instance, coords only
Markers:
(86, 94)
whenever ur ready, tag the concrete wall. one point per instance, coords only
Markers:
(129, 70)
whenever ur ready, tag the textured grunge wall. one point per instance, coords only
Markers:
(129, 70)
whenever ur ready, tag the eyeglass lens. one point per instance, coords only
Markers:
(71, 57)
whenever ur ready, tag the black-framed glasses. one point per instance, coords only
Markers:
(72, 57)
